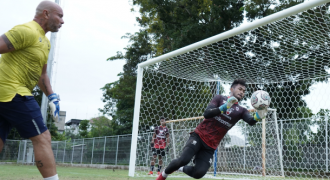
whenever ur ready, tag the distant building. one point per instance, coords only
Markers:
(74, 125)
(61, 121)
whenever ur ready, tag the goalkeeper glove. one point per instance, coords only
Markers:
(54, 106)
(232, 100)
(260, 114)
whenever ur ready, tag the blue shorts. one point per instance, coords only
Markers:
(23, 113)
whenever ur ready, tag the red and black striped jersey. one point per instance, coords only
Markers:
(160, 140)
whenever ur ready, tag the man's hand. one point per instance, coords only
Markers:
(54, 106)
(260, 114)
(232, 100)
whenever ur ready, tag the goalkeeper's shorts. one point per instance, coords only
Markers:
(22, 113)
(156, 151)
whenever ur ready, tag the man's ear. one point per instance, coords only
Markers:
(46, 14)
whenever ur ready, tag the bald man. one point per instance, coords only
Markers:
(23, 64)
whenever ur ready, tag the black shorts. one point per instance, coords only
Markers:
(160, 152)
(203, 152)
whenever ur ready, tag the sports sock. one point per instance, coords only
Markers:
(164, 174)
(159, 168)
(152, 168)
(181, 169)
(55, 177)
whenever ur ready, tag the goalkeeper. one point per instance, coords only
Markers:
(159, 143)
(221, 115)
(23, 64)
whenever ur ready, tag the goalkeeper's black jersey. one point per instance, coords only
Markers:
(214, 128)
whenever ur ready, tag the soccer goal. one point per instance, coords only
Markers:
(284, 54)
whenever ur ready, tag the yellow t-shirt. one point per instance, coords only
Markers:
(21, 69)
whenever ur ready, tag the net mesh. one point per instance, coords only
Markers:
(295, 48)
(239, 154)
(288, 58)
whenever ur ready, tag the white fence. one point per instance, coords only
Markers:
(114, 150)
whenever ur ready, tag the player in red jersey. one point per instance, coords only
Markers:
(160, 140)
(221, 114)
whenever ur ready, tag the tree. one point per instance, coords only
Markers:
(119, 96)
(101, 126)
(13, 134)
(166, 26)
(70, 135)
(55, 135)
(292, 60)
(322, 121)
(286, 58)
(256, 9)
(83, 128)
(175, 24)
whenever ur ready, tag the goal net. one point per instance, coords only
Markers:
(286, 54)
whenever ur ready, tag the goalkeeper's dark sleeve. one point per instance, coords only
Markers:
(212, 108)
(248, 118)
(211, 111)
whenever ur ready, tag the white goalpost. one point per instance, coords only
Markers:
(283, 54)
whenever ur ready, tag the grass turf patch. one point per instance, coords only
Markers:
(29, 172)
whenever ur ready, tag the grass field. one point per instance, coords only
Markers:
(28, 172)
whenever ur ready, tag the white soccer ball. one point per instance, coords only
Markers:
(260, 100)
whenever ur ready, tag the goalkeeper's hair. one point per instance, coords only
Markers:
(162, 118)
(238, 81)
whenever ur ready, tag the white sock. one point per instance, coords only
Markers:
(164, 174)
(181, 169)
(55, 177)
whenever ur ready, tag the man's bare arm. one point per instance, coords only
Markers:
(5, 45)
(44, 83)
(168, 139)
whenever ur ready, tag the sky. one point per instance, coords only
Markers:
(91, 33)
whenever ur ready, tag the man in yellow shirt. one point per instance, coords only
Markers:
(23, 64)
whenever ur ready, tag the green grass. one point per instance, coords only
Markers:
(28, 172)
